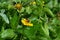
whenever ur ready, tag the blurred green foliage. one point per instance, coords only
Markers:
(43, 14)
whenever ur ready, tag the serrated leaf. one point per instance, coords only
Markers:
(14, 21)
(28, 10)
(8, 33)
(49, 12)
(30, 33)
(22, 10)
(50, 4)
(45, 29)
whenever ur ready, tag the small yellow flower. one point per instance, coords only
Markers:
(18, 6)
(34, 3)
(26, 22)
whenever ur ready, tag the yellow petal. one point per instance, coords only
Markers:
(24, 22)
(30, 24)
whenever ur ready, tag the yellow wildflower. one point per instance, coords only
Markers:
(26, 22)
(18, 6)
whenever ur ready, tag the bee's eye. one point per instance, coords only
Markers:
(27, 20)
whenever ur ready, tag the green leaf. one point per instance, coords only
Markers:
(8, 33)
(49, 12)
(10, 7)
(30, 33)
(50, 4)
(5, 18)
(45, 29)
(55, 3)
(3, 10)
(14, 21)
(17, 1)
(1, 38)
(22, 10)
(28, 10)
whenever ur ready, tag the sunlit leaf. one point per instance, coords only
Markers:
(28, 10)
(5, 18)
(9, 33)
